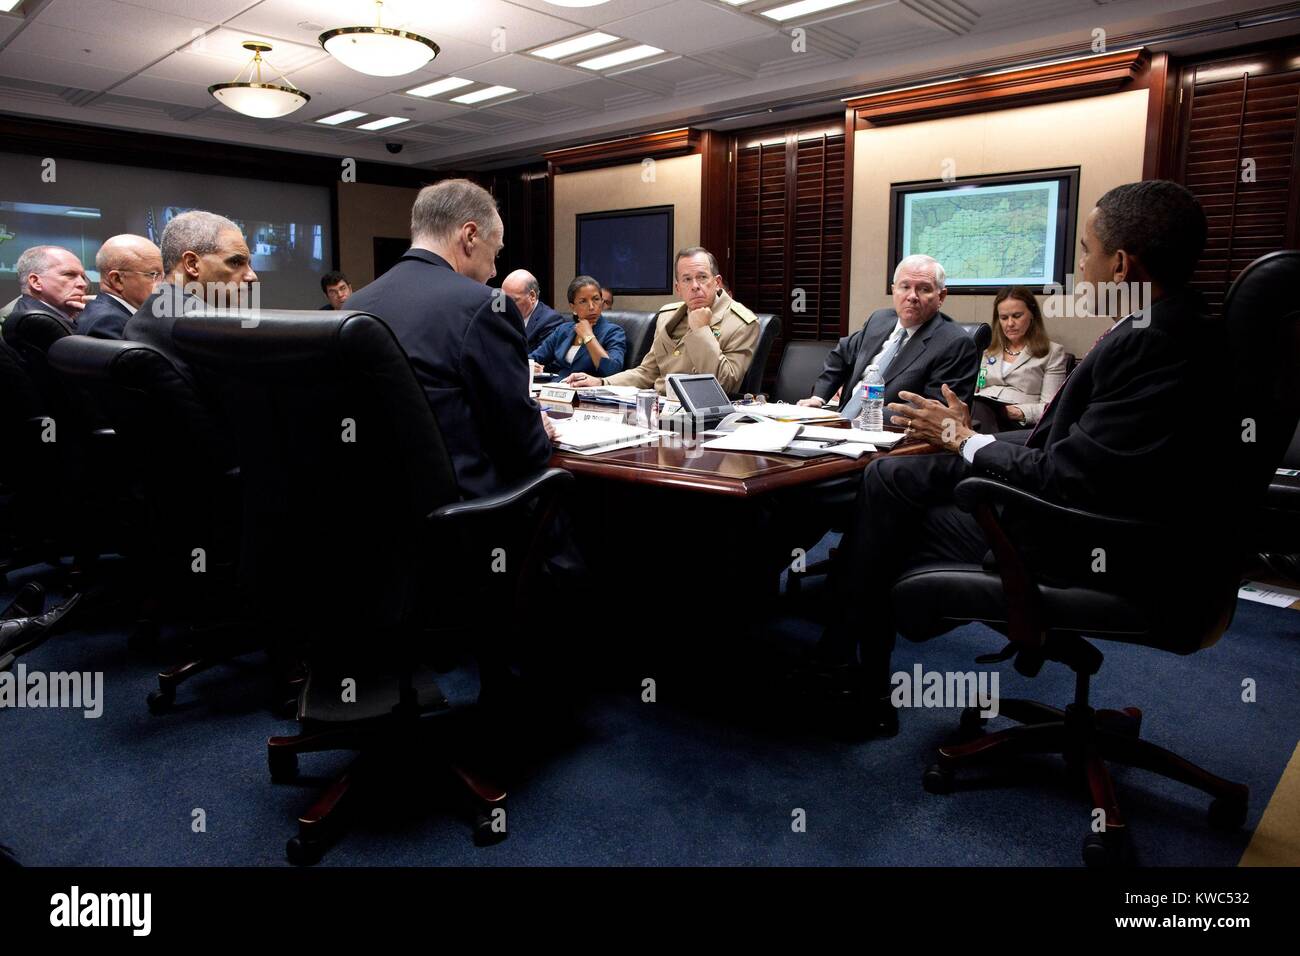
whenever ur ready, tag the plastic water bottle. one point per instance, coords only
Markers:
(871, 415)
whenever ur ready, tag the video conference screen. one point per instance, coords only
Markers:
(628, 250)
(287, 226)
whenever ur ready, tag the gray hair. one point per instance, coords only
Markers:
(441, 209)
(195, 231)
(695, 251)
(34, 260)
(920, 261)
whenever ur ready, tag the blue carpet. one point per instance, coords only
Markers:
(710, 773)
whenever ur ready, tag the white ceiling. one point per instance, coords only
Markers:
(146, 64)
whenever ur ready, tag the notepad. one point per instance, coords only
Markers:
(574, 434)
(759, 437)
(823, 433)
(782, 412)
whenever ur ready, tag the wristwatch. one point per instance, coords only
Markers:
(962, 447)
(586, 340)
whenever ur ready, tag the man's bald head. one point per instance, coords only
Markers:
(522, 286)
(129, 267)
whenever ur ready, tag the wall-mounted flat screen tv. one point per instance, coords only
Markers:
(630, 251)
(989, 231)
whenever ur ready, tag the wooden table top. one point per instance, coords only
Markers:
(676, 462)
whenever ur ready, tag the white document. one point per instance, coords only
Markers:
(848, 449)
(1266, 594)
(611, 391)
(760, 437)
(825, 433)
(790, 413)
(577, 434)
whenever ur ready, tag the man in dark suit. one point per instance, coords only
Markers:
(916, 347)
(1119, 438)
(130, 268)
(207, 263)
(53, 281)
(540, 320)
(465, 340)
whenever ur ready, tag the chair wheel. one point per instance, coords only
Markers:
(1227, 813)
(937, 779)
(484, 835)
(283, 764)
(1103, 849)
(302, 852)
(160, 701)
(143, 638)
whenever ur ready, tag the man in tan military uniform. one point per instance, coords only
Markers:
(706, 333)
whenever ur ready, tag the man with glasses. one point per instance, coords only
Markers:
(53, 281)
(708, 333)
(130, 268)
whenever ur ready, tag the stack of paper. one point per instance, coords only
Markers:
(592, 436)
(761, 436)
(879, 439)
(609, 394)
(782, 412)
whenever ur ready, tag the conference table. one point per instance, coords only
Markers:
(674, 462)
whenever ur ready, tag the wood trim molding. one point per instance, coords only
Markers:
(717, 198)
(1161, 97)
(846, 253)
(1087, 76)
(674, 142)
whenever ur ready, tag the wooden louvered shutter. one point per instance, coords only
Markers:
(789, 230)
(1240, 157)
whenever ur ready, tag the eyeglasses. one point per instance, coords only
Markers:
(153, 276)
(700, 278)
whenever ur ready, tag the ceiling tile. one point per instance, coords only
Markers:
(481, 21)
(209, 11)
(688, 26)
(144, 29)
(28, 66)
(525, 73)
(598, 15)
(60, 43)
(414, 107)
(160, 90)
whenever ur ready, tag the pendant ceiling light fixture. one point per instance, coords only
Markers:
(252, 97)
(378, 50)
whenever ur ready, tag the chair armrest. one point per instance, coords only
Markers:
(544, 484)
(972, 492)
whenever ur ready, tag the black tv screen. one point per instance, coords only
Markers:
(630, 251)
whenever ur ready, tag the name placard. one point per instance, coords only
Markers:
(558, 393)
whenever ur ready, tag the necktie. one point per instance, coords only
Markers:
(854, 404)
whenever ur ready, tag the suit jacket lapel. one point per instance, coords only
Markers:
(910, 351)
(871, 344)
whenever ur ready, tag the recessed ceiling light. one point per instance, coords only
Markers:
(384, 123)
(619, 57)
(445, 85)
(8, 6)
(801, 8)
(345, 117)
(588, 41)
(487, 93)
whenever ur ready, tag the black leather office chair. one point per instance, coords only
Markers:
(81, 448)
(1185, 608)
(769, 327)
(179, 455)
(28, 467)
(981, 332)
(801, 363)
(358, 539)
(639, 327)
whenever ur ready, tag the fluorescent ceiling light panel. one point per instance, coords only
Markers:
(8, 6)
(440, 86)
(619, 57)
(588, 41)
(802, 8)
(345, 117)
(487, 93)
(384, 123)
